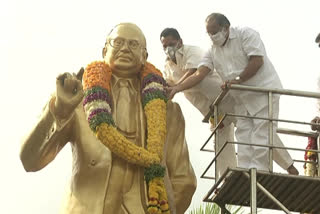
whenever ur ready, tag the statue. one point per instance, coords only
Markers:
(108, 178)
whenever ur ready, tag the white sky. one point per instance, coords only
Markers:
(40, 39)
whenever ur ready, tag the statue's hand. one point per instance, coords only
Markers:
(69, 93)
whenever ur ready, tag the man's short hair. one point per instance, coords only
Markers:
(170, 32)
(219, 18)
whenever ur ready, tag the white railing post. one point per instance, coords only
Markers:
(270, 99)
(216, 140)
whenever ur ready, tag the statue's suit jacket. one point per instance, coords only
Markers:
(92, 161)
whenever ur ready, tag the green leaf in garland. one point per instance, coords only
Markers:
(155, 170)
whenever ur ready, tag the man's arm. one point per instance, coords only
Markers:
(253, 47)
(187, 73)
(192, 57)
(254, 64)
(191, 81)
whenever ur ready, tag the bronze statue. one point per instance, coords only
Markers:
(103, 181)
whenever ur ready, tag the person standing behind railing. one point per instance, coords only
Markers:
(239, 57)
(182, 61)
(310, 168)
(317, 119)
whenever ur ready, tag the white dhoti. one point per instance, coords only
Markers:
(256, 131)
(227, 158)
(202, 102)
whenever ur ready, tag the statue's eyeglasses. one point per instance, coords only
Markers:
(117, 43)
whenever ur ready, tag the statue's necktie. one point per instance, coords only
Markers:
(125, 119)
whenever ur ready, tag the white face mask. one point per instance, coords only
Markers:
(171, 51)
(219, 38)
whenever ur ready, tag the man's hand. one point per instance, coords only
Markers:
(228, 83)
(69, 93)
(171, 91)
(171, 83)
(315, 127)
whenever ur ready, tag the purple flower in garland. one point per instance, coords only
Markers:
(150, 78)
(97, 96)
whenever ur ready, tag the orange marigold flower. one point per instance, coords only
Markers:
(149, 68)
(97, 74)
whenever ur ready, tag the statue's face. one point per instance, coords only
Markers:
(126, 50)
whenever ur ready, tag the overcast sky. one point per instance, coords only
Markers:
(41, 39)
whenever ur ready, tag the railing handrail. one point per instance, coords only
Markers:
(270, 91)
(289, 92)
(297, 132)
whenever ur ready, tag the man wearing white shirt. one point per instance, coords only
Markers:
(239, 57)
(182, 61)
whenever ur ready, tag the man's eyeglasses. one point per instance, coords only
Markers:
(117, 43)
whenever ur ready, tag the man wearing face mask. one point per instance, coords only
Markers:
(182, 61)
(239, 57)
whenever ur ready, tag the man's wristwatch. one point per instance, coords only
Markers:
(238, 78)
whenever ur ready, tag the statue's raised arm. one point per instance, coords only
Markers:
(50, 133)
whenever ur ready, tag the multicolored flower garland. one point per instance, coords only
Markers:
(98, 108)
(310, 168)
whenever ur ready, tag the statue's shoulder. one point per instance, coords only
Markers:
(174, 110)
(173, 106)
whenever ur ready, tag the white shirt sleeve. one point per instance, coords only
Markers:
(166, 72)
(251, 42)
(207, 60)
(193, 57)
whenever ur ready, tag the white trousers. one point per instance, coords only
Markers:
(257, 132)
(227, 157)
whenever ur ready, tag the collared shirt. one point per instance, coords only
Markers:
(204, 93)
(187, 57)
(231, 59)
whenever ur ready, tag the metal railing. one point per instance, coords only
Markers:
(214, 110)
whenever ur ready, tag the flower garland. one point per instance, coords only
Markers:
(310, 169)
(97, 105)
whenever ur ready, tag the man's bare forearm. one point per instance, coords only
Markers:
(187, 74)
(254, 64)
(194, 79)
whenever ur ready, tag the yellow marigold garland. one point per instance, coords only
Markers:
(97, 104)
(155, 111)
(119, 145)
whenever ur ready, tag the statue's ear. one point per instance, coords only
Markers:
(104, 51)
(146, 54)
